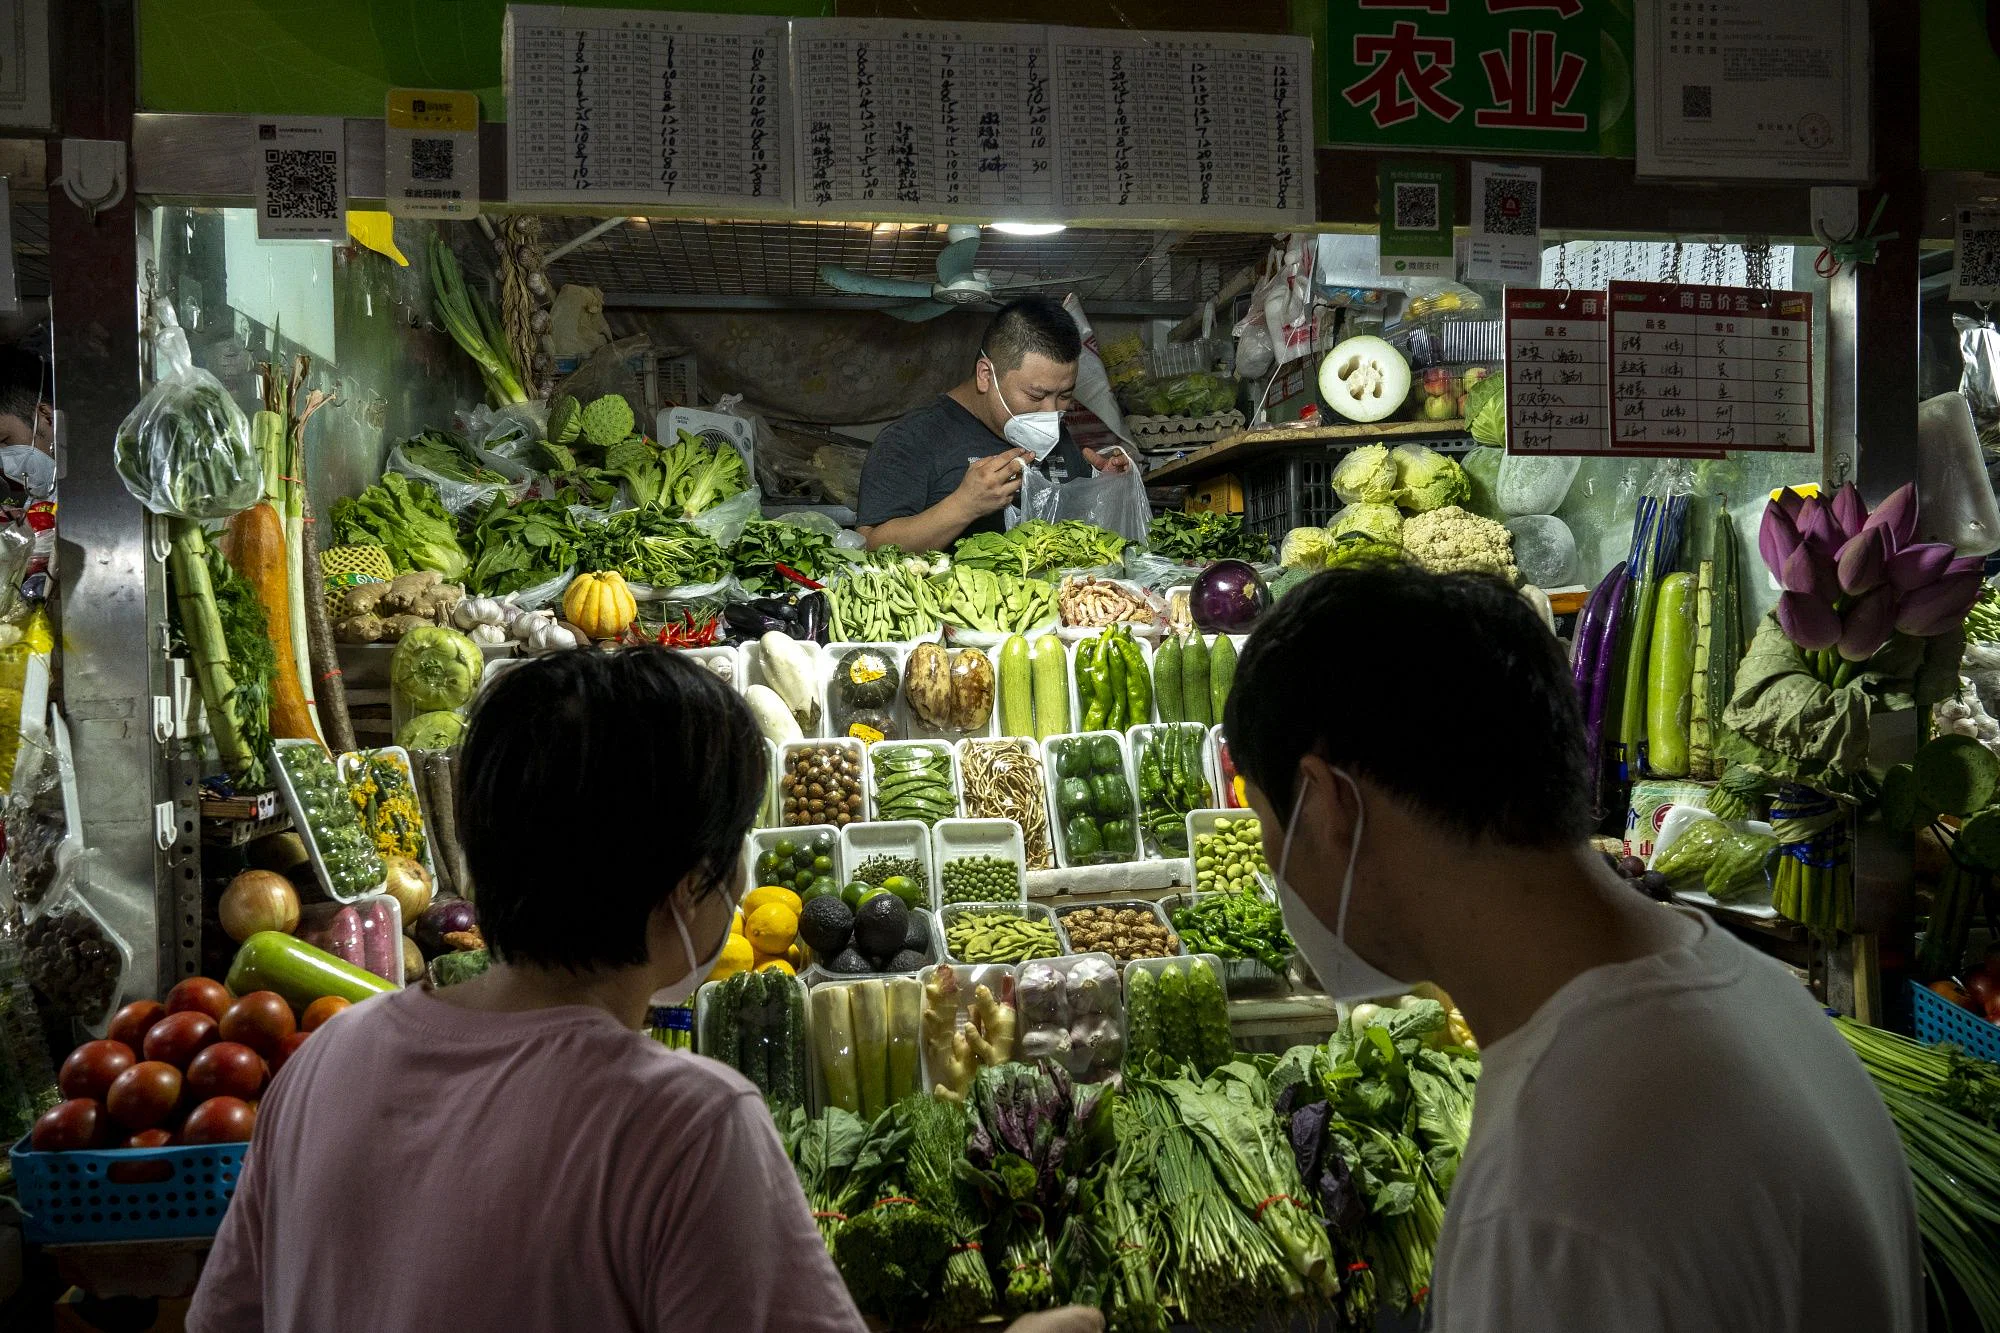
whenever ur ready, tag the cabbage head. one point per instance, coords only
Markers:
(1366, 476)
(1486, 411)
(1355, 551)
(1305, 548)
(439, 730)
(435, 669)
(1427, 480)
(1377, 522)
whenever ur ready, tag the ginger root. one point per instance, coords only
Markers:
(366, 627)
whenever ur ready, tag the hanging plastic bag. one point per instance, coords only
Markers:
(1112, 500)
(1979, 347)
(726, 521)
(185, 451)
(460, 496)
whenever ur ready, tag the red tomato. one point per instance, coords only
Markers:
(220, 1120)
(260, 1020)
(1950, 990)
(151, 1138)
(1982, 987)
(131, 1024)
(74, 1124)
(91, 1067)
(286, 1049)
(325, 1007)
(145, 1094)
(226, 1069)
(202, 995)
(178, 1038)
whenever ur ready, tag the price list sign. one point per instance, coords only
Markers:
(1558, 399)
(1701, 369)
(624, 106)
(953, 118)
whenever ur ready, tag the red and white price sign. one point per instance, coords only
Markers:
(1707, 369)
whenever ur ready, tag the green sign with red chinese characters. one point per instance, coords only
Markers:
(1514, 76)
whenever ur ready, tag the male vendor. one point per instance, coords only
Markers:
(953, 466)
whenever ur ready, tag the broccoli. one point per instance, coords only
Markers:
(1427, 480)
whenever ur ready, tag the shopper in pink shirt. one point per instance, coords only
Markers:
(513, 1152)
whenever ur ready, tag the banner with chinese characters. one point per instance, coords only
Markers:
(1516, 76)
(1707, 368)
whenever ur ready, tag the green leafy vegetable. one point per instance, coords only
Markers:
(1037, 546)
(466, 316)
(519, 546)
(647, 546)
(1200, 538)
(697, 476)
(766, 544)
(447, 455)
(406, 519)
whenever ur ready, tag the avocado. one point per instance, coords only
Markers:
(907, 960)
(848, 963)
(880, 924)
(917, 935)
(825, 925)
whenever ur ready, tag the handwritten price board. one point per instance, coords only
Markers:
(1710, 368)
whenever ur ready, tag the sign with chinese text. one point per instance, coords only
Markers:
(632, 107)
(430, 154)
(1557, 396)
(301, 171)
(1417, 207)
(1505, 244)
(1707, 368)
(1512, 75)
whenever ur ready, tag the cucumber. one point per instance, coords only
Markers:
(1195, 703)
(273, 961)
(1167, 680)
(1670, 677)
(1017, 686)
(1050, 666)
(1221, 674)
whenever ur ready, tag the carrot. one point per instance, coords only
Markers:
(257, 551)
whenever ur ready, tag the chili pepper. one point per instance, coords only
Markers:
(1111, 685)
(1088, 686)
(1138, 685)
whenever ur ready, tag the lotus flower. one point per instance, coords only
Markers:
(1818, 529)
(1777, 537)
(1808, 622)
(1861, 562)
(1973, 563)
(1791, 502)
(1913, 567)
(1868, 624)
(1938, 607)
(1808, 574)
(1849, 511)
(1898, 514)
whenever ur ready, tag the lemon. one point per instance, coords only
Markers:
(771, 893)
(771, 928)
(776, 965)
(736, 922)
(737, 956)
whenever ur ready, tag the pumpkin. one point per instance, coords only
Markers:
(600, 604)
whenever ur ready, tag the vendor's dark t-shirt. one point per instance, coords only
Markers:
(919, 460)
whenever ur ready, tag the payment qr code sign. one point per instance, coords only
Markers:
(300, 169)
(430, 153)
(1416, 207)
(431, 159)
(1510, 207)
(1975, 275)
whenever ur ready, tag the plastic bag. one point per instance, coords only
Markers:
(185, 450)
(505, 440)
(726, 521)
(1112, 500)
(1544, 550)
(460, 496)
(1955, 502)
(1531, 485)
(1979, 347)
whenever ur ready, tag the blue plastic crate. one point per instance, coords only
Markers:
(97, 1195)
(1938, 1019)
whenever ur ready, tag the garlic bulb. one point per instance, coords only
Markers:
(473, 612)
(487, 635)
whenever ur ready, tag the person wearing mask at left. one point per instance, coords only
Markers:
(27, 424)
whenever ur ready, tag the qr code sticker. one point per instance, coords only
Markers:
(1978, 257)
(1697, 101)
(301, 182)
(1511, 207)
(431, 159)
(1416, 207)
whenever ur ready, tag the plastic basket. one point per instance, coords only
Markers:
(1287, 493)
(68, 1197)
(1938, 1019)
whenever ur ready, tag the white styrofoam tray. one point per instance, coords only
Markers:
(812, 1028)
(950, 912)
(891, 837)
(852, 748)
(1678, 821)
(1216, 743)
(720, 653)
(1078, 705)
(758, 841)
(922, 730)
(1146, 905)
(1030, 751)
(1138, 739)
(304, 826)
(1063, 966)
(897, 654)
(996, 977)
(956, 839)
(1201, 822)
(1058, 829)
(328, 909)
(752, 654)
(816, 973)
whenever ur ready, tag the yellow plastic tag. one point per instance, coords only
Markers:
(861, 731)
(863, 670)
(432, 109)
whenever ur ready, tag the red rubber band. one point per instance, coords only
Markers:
(969, 1245)
(1358, 1266)
(1276, 1198)
(838, 1217)
(883, 1203)
(1422, 1293)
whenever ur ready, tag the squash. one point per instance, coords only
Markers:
(255, 544)
(600, 604)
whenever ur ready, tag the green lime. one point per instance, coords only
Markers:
(855, 891)
(911, 892)
(784, 849)
(822, 843)
(822, 865)
(800, 882)
(821, 887)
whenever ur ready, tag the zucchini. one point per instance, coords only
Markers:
(1017, 689)
(1167, 680)
(1670, 677)
(1051, 688)
(270, 960)
(1221, 674)
(1195, 703)
(833, 1034)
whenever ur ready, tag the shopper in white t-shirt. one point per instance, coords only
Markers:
(1668, 1134)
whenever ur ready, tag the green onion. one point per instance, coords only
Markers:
(471, 323)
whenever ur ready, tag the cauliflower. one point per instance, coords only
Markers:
(1366, 476)
(1305, 548)
(1427, 480)
(1451, 541)
(1380, 522)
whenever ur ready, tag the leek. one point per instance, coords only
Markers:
(470, 321)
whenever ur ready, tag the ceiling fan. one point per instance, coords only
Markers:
(959, 285)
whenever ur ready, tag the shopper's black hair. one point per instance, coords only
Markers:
(590, 785)
(1036, 324)
(1447, 690)
(24, 383)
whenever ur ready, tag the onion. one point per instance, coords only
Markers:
(409, 884)
(258, 900)
(444, 917)
(1227, 598)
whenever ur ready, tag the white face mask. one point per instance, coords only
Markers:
(1037, 432)
(1343, 974)
(698, 969)
(30, 468)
